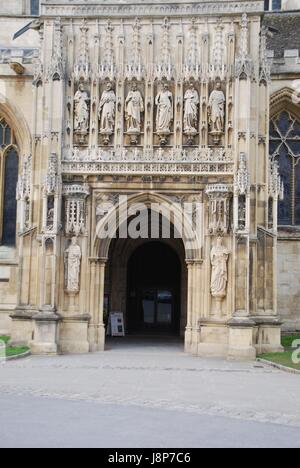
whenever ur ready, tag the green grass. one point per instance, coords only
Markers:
(12, 350)
(285, 358)
(4, 338)
(287, 340)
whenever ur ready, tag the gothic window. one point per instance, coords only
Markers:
(9, 162)
(276, 5)
(285, 147)
(273, 5)
(34, 7)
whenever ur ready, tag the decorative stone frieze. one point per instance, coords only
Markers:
(162, 161)
(51, 196)
(75, 208)
(135, 67)
(244, 63)
(219, 196)
(276, 187)
(75, 8)
(107, 68)
(241, 203)
(56, 68)
(82, 67)
(24, 189)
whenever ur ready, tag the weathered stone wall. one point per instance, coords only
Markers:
(16, 108)
(15, 7)
(289, 283)
(290, 5)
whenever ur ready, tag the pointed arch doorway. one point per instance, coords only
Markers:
(154, 290)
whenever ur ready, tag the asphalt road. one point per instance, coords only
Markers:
(146, 395)
(42, 422)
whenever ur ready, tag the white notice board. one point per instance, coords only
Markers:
(117, 324)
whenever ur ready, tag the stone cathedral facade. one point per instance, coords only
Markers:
(151, 103)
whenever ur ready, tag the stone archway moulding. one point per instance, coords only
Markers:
(18, 123)
(285, 100)
(192, 243)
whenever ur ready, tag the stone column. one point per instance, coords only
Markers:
(92, 292)
(196, 311)
(189, 325)
(97, 327)
(100, 310)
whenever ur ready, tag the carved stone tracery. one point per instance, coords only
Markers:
(75, 208)
(24, 193)
(219, 196)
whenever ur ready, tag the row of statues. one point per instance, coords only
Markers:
(134, 108)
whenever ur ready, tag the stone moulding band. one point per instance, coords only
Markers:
(148, 168)
(149, 9)
(95, 161)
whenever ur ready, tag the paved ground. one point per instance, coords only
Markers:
(146, 396)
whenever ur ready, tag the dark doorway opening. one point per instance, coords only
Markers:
(153, 290)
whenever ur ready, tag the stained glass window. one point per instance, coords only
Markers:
(285, 147)
(9, 160)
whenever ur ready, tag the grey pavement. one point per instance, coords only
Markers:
(146, 394)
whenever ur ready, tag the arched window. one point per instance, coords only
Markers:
(285, 147)
(9, 163)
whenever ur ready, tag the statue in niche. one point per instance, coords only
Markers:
(165, 113)
(81, 111)
(191, 103)
(219, 276)
(216, 112)
(107, 112)
(50, 219)
(134, 106)
(72, 259)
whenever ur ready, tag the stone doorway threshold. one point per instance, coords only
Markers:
(148, 343)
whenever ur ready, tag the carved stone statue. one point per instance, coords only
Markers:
(165, 111)
(50, 219)
(81, 111)
(107, 111)
(72, 267)
(191, 102)
(219, 276)
(216, 112)
(134, 106)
